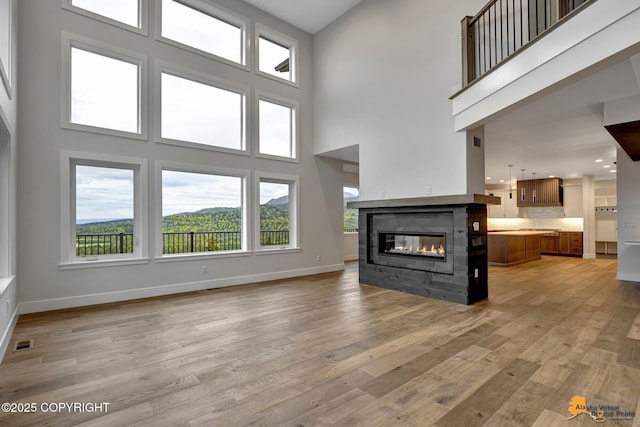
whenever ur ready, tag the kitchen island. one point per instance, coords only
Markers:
(507, 248)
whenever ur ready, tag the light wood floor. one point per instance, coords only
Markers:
(324, 350)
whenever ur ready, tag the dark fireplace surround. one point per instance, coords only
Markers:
(433, 246)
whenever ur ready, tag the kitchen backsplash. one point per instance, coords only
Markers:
(538, 222)
(538, 212)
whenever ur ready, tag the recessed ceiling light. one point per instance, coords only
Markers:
(552, 176)
(613, 171)
(599, 161)
(488, 177)
(502, 180)
(606, 166)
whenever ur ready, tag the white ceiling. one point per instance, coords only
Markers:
(308, 15)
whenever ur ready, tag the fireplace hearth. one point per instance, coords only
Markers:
(434, 247)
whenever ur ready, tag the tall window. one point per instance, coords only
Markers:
(277, 129)
(276, 54)
(6, 29)
(104, 209)
(202, 212)
(278, 212)
(125, 11)
(5, 202)
(105, 90)
(350, 215)
(202, 113)
(200, 26)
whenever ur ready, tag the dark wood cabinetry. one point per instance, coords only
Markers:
(540, 192)
(575, 244)
(549, 244)
(565, 243)
(513, 247)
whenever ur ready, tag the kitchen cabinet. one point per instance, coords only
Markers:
(540, 192)
(549, 244)
(507, 248)
(575, 244)
(562, 243)
(570, 243)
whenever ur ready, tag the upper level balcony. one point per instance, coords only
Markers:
(503, 27)
(513, 50)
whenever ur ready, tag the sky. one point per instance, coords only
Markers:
(121, 10)
(104, 193)
(104, 94)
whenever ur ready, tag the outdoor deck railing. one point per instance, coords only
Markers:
(174, 243)
(503, 27)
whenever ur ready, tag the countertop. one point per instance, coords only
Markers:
(518, 233)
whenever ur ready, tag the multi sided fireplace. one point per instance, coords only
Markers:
(435, 247)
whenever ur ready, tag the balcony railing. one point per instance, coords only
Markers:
(174, 243)
(503, 27)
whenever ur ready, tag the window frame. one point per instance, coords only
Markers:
(276, 37)
(294, 126)
(6, 64)
(217, 12)
(7, 204)
(205, 79)
(68, 161)
(70, 41)
(143, 16)
(294, 212)
(244, 175)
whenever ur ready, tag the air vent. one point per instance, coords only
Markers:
(24, 345)
(477, 142)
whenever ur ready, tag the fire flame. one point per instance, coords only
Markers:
(439, 250)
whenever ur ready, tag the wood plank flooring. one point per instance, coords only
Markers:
(324, 350)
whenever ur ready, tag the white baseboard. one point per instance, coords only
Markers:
(588, 256)
(353, 257)
(130, 294)
(629, 277)
(6, 336)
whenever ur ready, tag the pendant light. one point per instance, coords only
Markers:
(510, 193)
(522, 188)
(533, 191)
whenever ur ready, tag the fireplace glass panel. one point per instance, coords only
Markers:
(432, 246)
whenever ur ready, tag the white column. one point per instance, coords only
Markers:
(589, 217)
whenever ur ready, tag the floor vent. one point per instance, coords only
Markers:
(24, 345)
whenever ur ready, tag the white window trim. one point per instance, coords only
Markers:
(74, 41)
(294, 212)
(68, 159)
(5, 69)
(283, 40)
(174, 70)
(143, 17)
(7, 203)
(295, 135)
(210, 170)
(219, 13)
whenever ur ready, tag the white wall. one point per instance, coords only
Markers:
(43, 285)
(628, 193)
(383, 74)
(8, 149)
(628, 217)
